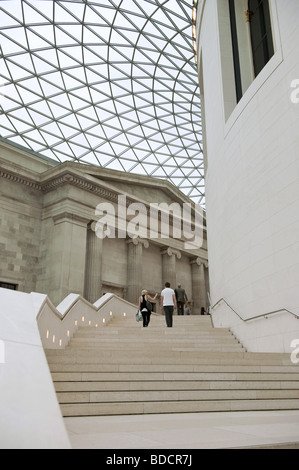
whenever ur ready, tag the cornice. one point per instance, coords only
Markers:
(63, 175)
(16, 178)
(58, 180)
(75, 180)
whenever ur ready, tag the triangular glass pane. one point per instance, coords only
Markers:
(6, 126)
(38, 118)
(90, 158)
(67, 131)
(45, 9)
(35, 139)
(106, 150)
(27, 96)
(62, 15)
(76, 102)
(6, 19)
(103, 158)
(31, 15)
(65, 61)
(41, 36)
(53, 79)
(70, 120)
(53, 129)
(74, 31)
(20, 125)
(77, 9)
(45, 65)
(97, 131)
(105, 12)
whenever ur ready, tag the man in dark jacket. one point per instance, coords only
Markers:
(181, 298)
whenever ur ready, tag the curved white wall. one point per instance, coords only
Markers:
(30, 414)
(29, 323)
(252, 166)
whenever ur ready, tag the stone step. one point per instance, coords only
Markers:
(123, 368)
(160, 407)
(186, 358)
(176, 359)
(158, 325)
(173, 395)
(139, 331)
(118, 385)
(198, 319)
(220, 368)
(159, 321)
(127, 344)
(172, 376)
(135, 327)
(158, 337)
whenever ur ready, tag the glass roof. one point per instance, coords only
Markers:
(111, 83)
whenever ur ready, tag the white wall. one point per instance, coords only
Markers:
(29, 412)
(252, 178)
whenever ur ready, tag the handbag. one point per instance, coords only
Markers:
(149, 305)
(138, 316)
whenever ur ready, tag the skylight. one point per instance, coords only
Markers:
(112, 83)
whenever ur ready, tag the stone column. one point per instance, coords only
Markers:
(199, 293)
(134, 268)
(169, 256)
(68, 250)
(93, 270)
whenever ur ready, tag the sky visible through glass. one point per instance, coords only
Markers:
(111, 83)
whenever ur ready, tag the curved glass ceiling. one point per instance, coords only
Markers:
(110, 83)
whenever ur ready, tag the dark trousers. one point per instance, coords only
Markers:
(180, 308)
(168, 309)
(146, 317)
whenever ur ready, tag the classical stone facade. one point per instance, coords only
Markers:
(50, 240)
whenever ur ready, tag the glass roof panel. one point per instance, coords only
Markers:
(107, 82)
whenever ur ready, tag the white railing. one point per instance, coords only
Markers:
(255, 317)
(58, 324)
(272, 331)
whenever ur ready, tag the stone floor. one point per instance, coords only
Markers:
(263, 429)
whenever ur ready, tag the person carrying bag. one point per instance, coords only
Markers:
(145, 306)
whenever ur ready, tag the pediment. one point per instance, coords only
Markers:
(141, 187)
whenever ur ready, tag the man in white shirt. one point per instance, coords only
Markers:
(168, 303)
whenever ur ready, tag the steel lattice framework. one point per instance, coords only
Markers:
(111, 83)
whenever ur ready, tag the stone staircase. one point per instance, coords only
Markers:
(126, 369)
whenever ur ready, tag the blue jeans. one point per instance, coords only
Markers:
(168, 309)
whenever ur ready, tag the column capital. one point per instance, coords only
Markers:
(170, 252)
(136, 241)
(199, 262)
